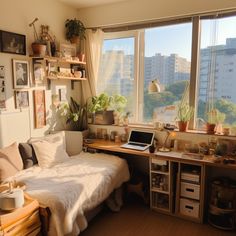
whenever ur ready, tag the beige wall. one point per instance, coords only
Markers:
(140, 10)
(15, 17)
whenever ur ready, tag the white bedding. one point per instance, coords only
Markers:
(72, 187)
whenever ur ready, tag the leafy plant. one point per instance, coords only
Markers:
(75, 114)
(185, 112)
(74, 28)
(104, 102)
(215, 117)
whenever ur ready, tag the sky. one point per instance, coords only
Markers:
(177, 38)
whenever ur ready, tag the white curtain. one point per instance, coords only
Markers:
(93, 48)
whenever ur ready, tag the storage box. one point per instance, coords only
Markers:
(190, 177)
(189, 207)
(190, 190)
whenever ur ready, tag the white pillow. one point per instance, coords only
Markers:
(52, 138)
(49, 154)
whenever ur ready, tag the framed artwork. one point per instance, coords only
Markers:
(68, 50)
(20, 74)
(2, 88)
(62, 95)
(39, 108)
(21, 99)
(12, 43)
(39, 72)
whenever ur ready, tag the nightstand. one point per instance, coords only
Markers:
(21, 221)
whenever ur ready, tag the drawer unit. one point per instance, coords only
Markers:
(189, 207)
(190, 190)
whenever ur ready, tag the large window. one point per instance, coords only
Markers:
(163, 53)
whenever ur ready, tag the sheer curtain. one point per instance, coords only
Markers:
(93, 46)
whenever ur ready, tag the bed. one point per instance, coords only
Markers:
(74, 186)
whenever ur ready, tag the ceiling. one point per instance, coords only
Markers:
(88, 3)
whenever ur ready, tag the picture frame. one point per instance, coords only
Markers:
(21, 99)
(20, 74)
(2, 88)
(39, 108)
(39, 72)
(62, 94)
(68, 50)
(12, 43)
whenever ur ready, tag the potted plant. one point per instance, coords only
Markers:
(39, 45)
(75, 30)
(185, 113)
(75, 115)
(214, 118)
(104, 107)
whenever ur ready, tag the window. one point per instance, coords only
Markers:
(132, 59)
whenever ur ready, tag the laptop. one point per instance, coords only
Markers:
(139, 140)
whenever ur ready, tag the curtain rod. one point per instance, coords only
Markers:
(166, 21)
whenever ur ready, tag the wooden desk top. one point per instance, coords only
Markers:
(101, 144)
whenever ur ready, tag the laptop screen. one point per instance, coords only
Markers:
(141, 137)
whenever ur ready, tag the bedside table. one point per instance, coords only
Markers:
(21, 221)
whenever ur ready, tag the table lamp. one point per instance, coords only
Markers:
(164, 148)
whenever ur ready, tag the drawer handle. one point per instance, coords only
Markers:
(190, 190)
(189, 207)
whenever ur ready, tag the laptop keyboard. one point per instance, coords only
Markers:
(137, 144)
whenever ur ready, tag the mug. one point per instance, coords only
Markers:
(158, 125)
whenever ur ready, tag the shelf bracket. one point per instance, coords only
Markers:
(72, 82)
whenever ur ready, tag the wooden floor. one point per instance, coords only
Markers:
(135, 219)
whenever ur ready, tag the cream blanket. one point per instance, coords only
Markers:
(77, 185)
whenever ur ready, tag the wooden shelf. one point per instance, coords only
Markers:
(159, 172)
(65, 78)
(158, 190)
(59, 60)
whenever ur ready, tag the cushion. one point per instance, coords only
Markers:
(52, 138)
(10, 161)
(27, 154)
(49, 154)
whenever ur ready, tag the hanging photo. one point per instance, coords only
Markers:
(39, 72)
(22, 99)
(39, 108)
(2, 88)
(20, 74)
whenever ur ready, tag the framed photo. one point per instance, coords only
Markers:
(20, 74)
(62, 95)
(39, 72)
(39, 108)
(12, 43)
(68, 50)
(21, 99)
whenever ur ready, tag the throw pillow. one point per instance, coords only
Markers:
(49, 154)
(27, 154)
(10, 161)
(52, 138)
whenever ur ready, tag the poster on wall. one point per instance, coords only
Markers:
(39, 72)
(2, 88)
(21, 99)
(39, 108)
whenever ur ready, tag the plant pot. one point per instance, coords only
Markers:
(210, 128)
(75, 39)
(39, 49)
(183, 126)
(104, 118)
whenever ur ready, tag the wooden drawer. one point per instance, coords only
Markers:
(190, 190)
(189, 207)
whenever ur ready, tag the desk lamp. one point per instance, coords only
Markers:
(164, 148)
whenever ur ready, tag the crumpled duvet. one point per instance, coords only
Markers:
(74, 186)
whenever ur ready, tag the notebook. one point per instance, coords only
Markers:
(139, 140)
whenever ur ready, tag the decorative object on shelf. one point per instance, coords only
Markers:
(21, 99)
(2, 88)
(39, 108)
(185, 111)
(12, 43)
(20, 74)
(154, 87)
(75, 30)
(164, 148)
(214, 119)
(68, 51)
(75, 114)
(38, 46)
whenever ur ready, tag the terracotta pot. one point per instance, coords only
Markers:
(183, 126)
(210, 128)
(39, 49)
(75, 39)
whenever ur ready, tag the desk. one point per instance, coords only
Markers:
(178, 204)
